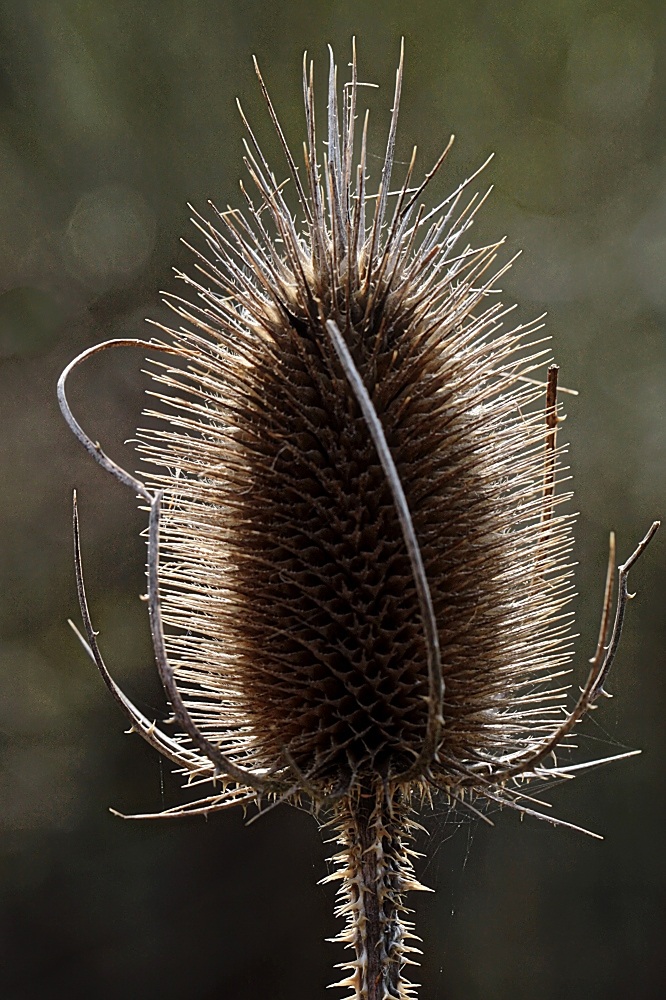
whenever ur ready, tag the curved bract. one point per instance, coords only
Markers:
(358, 566)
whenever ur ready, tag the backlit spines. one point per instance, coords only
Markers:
(358, 567)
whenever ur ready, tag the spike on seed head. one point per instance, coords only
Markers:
(358, 572)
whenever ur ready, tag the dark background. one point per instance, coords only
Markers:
(112, 117)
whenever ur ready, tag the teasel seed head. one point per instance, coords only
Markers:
(358, 569)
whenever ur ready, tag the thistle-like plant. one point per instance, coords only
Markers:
(358, 576)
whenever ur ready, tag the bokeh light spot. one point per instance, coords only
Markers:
(110, 234)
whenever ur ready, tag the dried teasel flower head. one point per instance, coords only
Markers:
(358, 572)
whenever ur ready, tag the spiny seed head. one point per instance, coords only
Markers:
(357, 573)
(294, 625)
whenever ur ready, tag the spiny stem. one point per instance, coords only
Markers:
(374, 827)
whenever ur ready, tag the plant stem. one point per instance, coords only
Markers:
(374, 827)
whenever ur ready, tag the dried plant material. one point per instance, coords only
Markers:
(358, 565)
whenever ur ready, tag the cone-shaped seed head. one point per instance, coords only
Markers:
(292, 615)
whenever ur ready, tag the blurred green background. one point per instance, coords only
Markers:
(113, 116)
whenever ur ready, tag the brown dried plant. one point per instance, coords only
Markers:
(358, 576)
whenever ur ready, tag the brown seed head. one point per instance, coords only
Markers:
(292, 614)
(357, 570)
